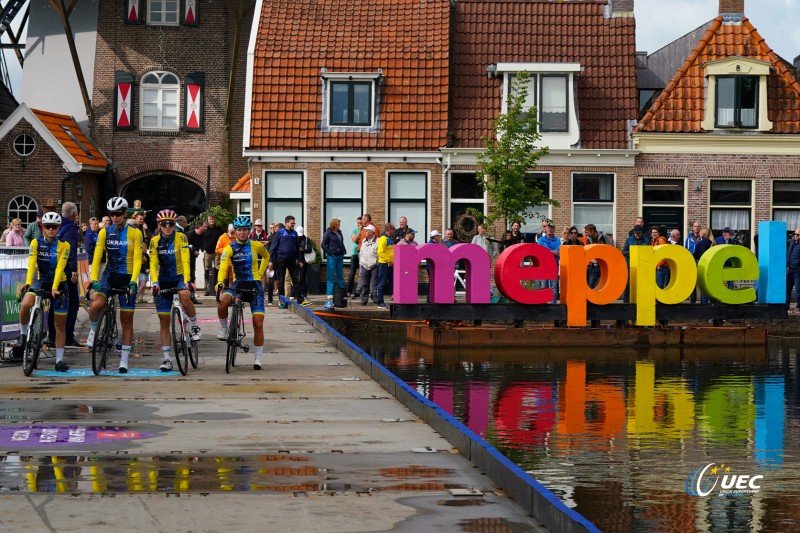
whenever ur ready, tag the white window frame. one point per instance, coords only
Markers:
(533, 223)
(330, 78)
(736, 66)
(160, 89)
(299, 216)
(24, 144)
(163, 12)
(454, 201)
(421, 226)
(682, 206)
(721, 206)
(787, 212)
(23, 207)
(560, 138)
(327, 201)
(604, 227)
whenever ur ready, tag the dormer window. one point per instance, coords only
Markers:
(350, 101)
(551, 92)
(736, 95)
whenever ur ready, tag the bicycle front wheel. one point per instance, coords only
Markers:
(233, 339)
(193, 346)
(34, 342)
(179, 340)
(103, 339)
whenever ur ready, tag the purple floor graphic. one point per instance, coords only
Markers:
(16, 437)
(111, 372)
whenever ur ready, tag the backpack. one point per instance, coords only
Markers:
(339, 297)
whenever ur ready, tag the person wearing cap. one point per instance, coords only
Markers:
(33, 230)
(355, 236)
(385, 263)
(258, 233)
(303, 248)
(636, 238)
(368, 265)
(333, 246)
(436, 237)
(408, 238)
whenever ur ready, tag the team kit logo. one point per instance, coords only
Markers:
(705, 480)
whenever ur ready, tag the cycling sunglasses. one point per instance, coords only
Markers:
(116, 213)
(50, 226)
(166, 223)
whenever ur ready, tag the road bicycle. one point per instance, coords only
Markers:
(236, 331)
(37, 329)
(107, 332)
(186, 349)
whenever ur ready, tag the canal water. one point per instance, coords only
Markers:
(659, 440)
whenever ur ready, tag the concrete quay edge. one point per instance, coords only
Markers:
(531, 495)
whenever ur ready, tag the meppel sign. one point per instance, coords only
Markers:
(523, 262)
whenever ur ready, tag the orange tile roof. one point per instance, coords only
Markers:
(493, 31)
(407, 39)
(78, 144)
(681, 105)
(243, 185)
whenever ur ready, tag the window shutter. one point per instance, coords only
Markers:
(189, 14)
(133, 12)
(123, 100)
(194, 97)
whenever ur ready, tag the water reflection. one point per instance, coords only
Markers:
(615, 433)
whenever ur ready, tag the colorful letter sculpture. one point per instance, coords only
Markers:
(509, 272)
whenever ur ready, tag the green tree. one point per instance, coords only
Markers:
(509, 154)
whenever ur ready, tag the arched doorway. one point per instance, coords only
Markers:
(166, 191)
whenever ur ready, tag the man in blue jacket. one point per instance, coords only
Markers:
(284, 256)
(69, 234)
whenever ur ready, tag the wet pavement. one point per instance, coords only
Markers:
(309, 443)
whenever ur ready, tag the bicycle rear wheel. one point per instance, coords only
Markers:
(103, 339)
(179, 341)
(34, 343)
(193, 346)
(233, 339)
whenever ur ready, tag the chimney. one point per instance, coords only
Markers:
(621, 8)
(731, 7)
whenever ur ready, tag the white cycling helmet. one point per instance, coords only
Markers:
(117, 203)
(51, 218)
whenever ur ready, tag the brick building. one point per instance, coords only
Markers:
(721, 143)
(585, 94)
(346, 111)
(168, 99)
(45, 157)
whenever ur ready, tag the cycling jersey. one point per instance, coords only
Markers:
(169, 258)
(123, 248)
(49, 259)
(243, 257)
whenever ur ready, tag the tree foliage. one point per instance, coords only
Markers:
(509, 154)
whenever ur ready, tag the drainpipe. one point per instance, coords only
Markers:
(445, 173)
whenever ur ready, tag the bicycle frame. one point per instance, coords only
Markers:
(236, 329)
(36, 332)
(186, 350)
(107, 332)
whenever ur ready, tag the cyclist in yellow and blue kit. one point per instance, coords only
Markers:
(169, 269)
(49, 257)
(242, 255)
(122, 245)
